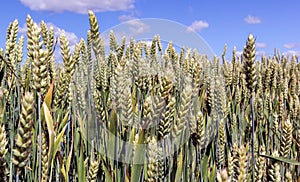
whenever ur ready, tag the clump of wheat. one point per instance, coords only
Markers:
(192, 114)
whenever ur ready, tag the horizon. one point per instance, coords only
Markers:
(229, 26)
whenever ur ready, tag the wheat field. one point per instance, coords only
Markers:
(141, 113)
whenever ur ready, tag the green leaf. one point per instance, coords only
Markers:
(28, 79)
(51, 133)
(81, 167)
(106, 173)
(48, 118)
(82, 129)
(139, 155)
(76, 140)
(68, 163)
(178, 176)
(204, 167)
(63, 122)
(282, 159)
(112, 136)
(213, 173)
(63, 172)
(58, 140)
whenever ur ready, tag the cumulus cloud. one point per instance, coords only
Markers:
(79, 6)
(23, 29)
(293, 49)
(261, 45)
(147, 42)
(292, 52)
(239, 53)
(124, 18)
(71, 36)
(135, 25)
(291, 45)
(197, 26)
(252, 20)
(260, 53)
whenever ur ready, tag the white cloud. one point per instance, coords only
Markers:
(261, 45)
(239, 53)
(291, 45)
(124, 18)
(79, 6)
(23, 29)
(135, 25)
(252, 20)
(260, 53)
(71, 36)
(292, 52)
(147, 42)
(130, 27)
(197, 26)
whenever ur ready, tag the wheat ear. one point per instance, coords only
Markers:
(287, 139)
(3, 151)
(93, 171)
(22, 149)
(250, 72)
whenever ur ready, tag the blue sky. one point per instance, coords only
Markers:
(275, 24)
